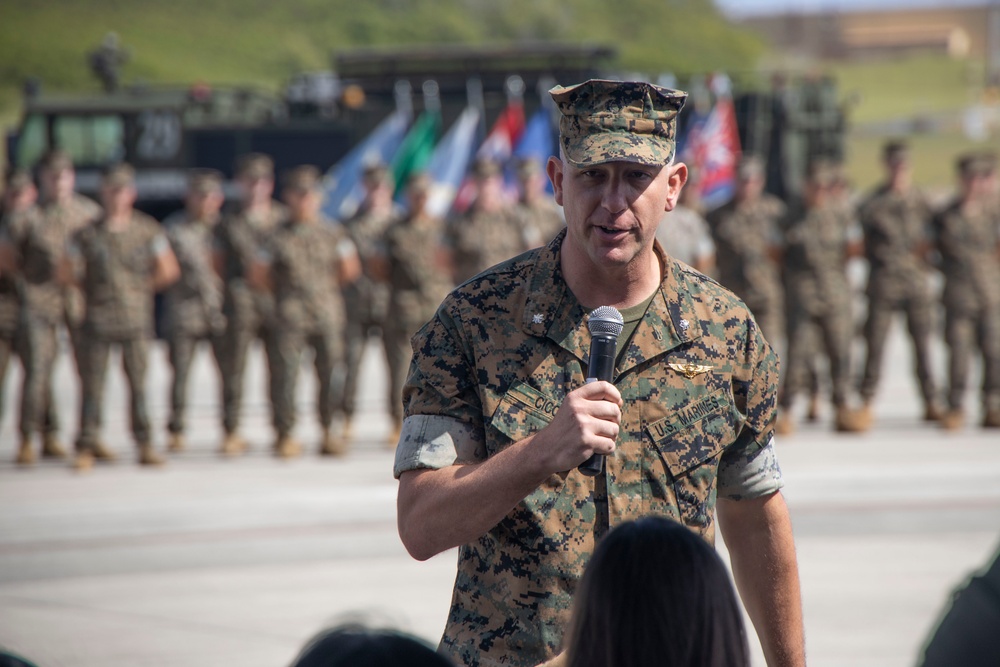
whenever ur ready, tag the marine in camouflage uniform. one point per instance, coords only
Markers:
(499, 414)
(895, 219)
(541, 219)
(18, 202)
(968, 241)
(415, 273)
(249, 313)
(819, 241)
(684, 233)
(747, 235)
(489, 232)
(308, 260)
(120, 261)
(366, 299)
(38, 242)
(192, 305)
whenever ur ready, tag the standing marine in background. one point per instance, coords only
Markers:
(541, 218)
(684, 233)
(819, 241)
(968, 241)
(193, 305)
(895, 219)
(415, 268)
(18, 202)
(120, 261)
(306, 262)
(366, 299)
(489, 232)
(747, 235)
(249, 313)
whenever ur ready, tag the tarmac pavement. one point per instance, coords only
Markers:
(210, 561)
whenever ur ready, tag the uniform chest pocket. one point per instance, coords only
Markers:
(690, 443)
(522, 411)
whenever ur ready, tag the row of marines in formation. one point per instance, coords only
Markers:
(275, 271)
(789, 263)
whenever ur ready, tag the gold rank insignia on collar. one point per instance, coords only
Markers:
(690, 370)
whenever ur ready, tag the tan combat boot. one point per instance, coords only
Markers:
(812, 414)
(933, 412)
(84, 460)
(865, 417)
(176, 442)
(149, 456)
(52, 448)
(287, 447)
(331, 445)
(784, 425)
(233, 445)
(953, 420)
(348, 431)
(848, 421)
(25, 453)
(101, 452)
(992, 418)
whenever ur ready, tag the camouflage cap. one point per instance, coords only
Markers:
(419, 183)
(975, 164)
(56, 160)
(255, 165)
(376, 173)
(118, 176)
(302, 179)
(485, 167)
(895, 151)
(18, 179)
(750, 167)
(203, 181)
(528, 167)
(822, 173)
(607, 121)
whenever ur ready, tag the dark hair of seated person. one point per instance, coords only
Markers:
(358, 646)
(655, 593)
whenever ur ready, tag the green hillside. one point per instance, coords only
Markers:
(264, 43)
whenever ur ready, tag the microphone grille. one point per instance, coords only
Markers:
(606, 320)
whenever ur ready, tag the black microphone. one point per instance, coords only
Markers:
(605, 325)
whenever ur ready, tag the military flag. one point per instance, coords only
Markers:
(450, 161)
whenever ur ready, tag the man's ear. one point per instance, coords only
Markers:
(554, 169)
(678, 177)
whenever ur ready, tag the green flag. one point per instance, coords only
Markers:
(417, 148)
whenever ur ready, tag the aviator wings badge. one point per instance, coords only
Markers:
(690, 370)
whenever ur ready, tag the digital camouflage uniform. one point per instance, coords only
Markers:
(744, 234)
(895, 227)
(41, 239)
(479, 239)
(304, 257)
(366, 299)
(117, 268)
(417, 286)
(492, 368)
(192, 305)
(967, 241)
(249, 313)
(10, 315)
(818, 294)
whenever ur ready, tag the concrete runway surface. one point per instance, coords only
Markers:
(209, 562)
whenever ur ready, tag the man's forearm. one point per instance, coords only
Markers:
(758, 533)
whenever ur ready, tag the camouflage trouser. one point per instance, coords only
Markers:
(39, 347)
(7, 350)
(398, 352)
(182, 348)
(233, 361)
(835, 330)
(770, 317)
(964, 332)
(94, 352)
(327, 354)
(919, 323)
(356, 334)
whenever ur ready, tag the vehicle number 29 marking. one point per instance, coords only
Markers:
(159, 135)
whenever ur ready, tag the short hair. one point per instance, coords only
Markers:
(655, 593)
(255, 165)
(354, 645)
